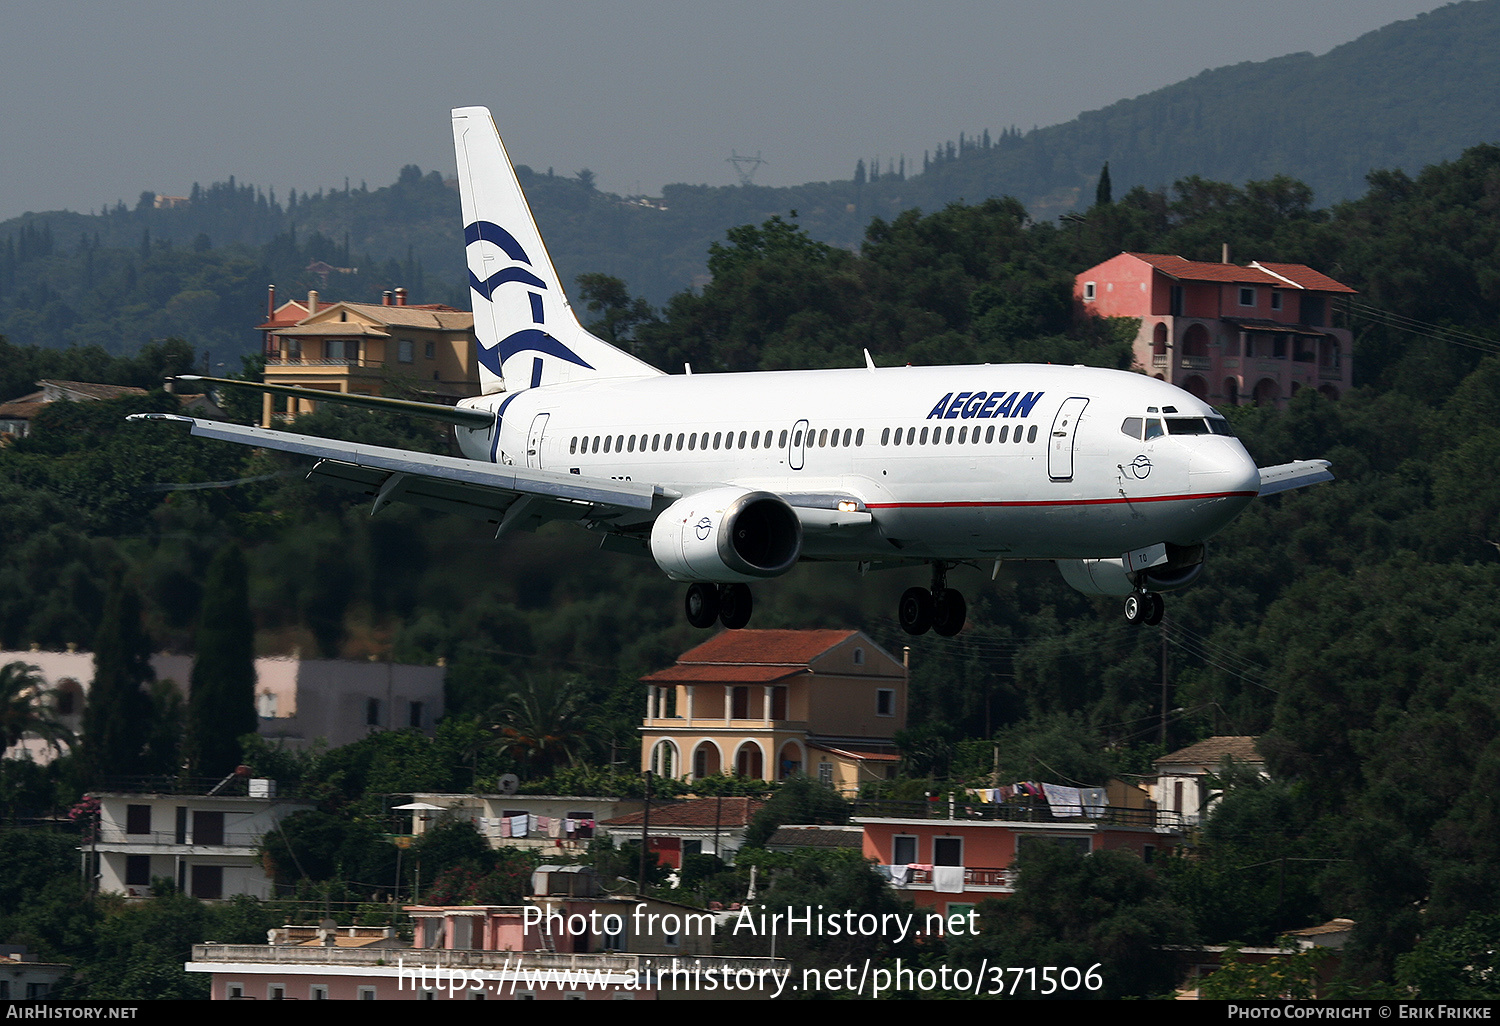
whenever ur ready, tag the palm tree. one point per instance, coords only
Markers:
(540, 723)
(23, 711)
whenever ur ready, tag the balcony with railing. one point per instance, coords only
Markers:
(112, 834)
(205, 956)
(1018, 812)
(975, 877)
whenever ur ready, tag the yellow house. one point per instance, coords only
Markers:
(767, 704)
(363, 347)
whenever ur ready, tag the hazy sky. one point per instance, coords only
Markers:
(101, 101)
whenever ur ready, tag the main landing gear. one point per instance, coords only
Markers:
(1144, 607)
(729, 604)
(941, 609)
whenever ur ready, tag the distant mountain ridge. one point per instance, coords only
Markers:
(1410, 94)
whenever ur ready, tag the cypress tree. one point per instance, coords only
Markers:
(221, 701)
(1104, 193)
(116, 720)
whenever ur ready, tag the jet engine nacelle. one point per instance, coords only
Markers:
(1182, 565)
(727, 535)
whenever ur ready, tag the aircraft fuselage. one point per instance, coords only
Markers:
(992, 461)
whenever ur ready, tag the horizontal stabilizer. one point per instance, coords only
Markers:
(1287, 476)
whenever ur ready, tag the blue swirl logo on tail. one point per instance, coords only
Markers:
(528, 339)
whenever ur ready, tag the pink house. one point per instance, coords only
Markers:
(1227, 334)
(951, 857)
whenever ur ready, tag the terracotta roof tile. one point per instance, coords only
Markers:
(781, 648)
(91, 389)
(1212, 752)
(884, 754)
(717, 673)
(1305, 276)
(698, 812)
(1259, 272)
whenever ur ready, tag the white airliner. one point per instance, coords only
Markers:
(729, 479)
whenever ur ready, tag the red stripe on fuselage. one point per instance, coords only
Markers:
(1060, 502)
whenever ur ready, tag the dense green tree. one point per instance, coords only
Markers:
(540, 723)
(116, 718)
(1103, 909)
(221, 703)
(24, 709)
(801, 799)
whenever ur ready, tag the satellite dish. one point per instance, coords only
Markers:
(509, 783)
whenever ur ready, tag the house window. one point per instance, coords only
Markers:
(859, 653)
(885, 702)
(234, 991)
(275, 992)
(137, 819)
(372, 712)
(1088, 291)
(429, 350)
(778, 703)
(903, 850)
(582, 819)
(367, 993)
(208, 828)
(947, 851)
(208, 882)
(137, 870)
(414, 711)
(404, 350)
(1247, 297)
(318, 992)
(1275, 299)
(825, 773)
(741, 710)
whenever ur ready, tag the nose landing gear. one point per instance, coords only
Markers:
(729, 604)
(941, 609)
(1144, 607)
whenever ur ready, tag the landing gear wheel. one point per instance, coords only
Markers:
(915, 610)
(1136, 606)
(702, 604)
(735, 604)
(949, 611)
(1157, 610)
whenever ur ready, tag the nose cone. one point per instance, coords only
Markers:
(1222, 467)
(1223, 479)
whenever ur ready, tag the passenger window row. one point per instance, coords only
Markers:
(963, 435)
(691, 440)
(815, 438)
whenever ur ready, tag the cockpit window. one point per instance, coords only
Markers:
(1153, 428)
(1197, 426)
(1131, 427)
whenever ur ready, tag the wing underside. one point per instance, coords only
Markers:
(510, 496)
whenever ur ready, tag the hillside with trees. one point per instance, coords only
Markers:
(1351, 625)
(1411, 94)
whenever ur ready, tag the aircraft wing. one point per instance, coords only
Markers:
(509, 496)
(1287, 476)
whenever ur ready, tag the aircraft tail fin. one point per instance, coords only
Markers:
(528, 333)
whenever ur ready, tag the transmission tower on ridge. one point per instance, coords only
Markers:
(745, 167)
